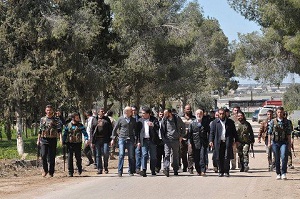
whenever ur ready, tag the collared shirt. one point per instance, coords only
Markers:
(223, 129)
(159, 132)
(127, 119)
(146, 127)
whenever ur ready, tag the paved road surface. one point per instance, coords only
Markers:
(257, 183)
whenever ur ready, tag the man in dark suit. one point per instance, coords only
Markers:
(126, 125)
(222, 137)
(138, 150)
(147, 139)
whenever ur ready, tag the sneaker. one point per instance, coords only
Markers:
(166, 172)
(283, 177)
(278, 177)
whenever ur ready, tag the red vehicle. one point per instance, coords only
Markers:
(272, 103)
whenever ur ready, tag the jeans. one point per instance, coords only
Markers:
(48, 150)
(102, 149)
(280, 152)
(149, 147)
(138, 158)
(129, 145)
(172, 145)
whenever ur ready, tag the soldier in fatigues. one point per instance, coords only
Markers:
(245, 138)
(72, 137)
(280, 130)
(50, 130)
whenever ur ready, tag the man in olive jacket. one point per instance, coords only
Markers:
(222, 137)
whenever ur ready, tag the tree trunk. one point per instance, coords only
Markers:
(20, 143)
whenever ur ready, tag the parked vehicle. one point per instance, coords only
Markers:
(262, 114)
(255, 115)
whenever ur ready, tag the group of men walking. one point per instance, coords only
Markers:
(177, 140)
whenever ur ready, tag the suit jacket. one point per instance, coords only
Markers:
(180, 128)
(230, 137)
(153, 130)
(198, 135)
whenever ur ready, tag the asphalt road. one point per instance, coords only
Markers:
(257, 183)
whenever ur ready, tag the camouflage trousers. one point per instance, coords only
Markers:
(243, 152)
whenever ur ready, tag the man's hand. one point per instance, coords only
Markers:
(211, 144)
(180, 139)
(138, 145)
(112, 142)
(38, 142)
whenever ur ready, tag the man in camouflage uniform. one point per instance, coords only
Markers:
(50, 130)
(236, 122)
(280, 130)
(245, 138)
(263, 134)
(72, 137)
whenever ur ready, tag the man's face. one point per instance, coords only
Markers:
(49, 111)
(269, 115)
(134, 111)
(234, 111)
(187, 109)
(217, 115)
(199, 115)
(101, 113)
(221, 114)
(145, 115)
(240, 117)
(166, 114)
(279, 113)
(161, 114)
(77, 119)
(128, 113)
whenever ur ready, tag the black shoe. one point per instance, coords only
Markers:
(242, 169)
(51, 175)
(157, 170)
(226, 174)
(99, 172)
(221, 174)
(137, 171)
(153, 173)
(143, 173)
(191, 171)
(79, 171)
(131, 174)
(175, 173)
(166, 172)
(106, 171)
(70, 174)
(184, 170)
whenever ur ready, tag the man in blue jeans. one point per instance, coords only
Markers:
(126, 125)
(148, 127)
(280, 130)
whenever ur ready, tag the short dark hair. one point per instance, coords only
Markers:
(241, 112)
(134, 106)
(238, 107)
(146, 109)
(74, 115)
(270, 111)
(89, 112)
(280, 108)
(109, 113)
(49, 106)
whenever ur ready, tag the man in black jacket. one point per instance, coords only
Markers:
(222, 137)
(198, 139)
(147, 139)
(172, 131)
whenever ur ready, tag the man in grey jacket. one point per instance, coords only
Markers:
(126, 125)
(172, 131)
